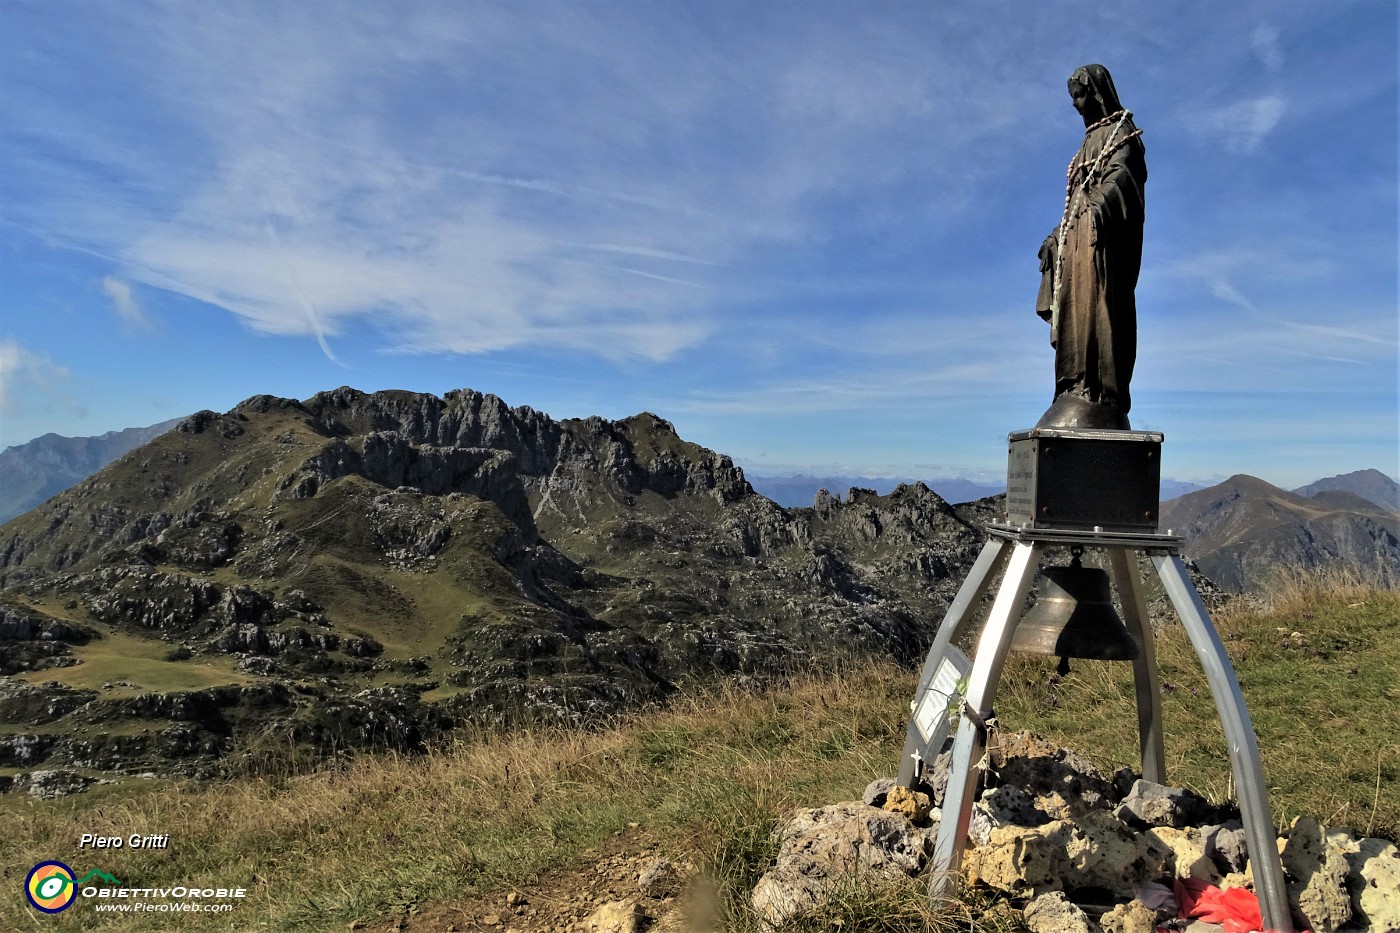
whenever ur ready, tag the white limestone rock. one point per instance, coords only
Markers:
(1317, 877)
(1374, 885)
(1052, 912)
(819, 848)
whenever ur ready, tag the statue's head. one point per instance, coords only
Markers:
(1091, 88)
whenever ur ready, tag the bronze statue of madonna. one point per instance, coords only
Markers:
(1089, 264)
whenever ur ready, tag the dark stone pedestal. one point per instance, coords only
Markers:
(1084, 480)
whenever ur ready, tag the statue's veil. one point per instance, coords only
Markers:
(1100, 84)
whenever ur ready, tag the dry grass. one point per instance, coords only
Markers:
(317, 851)
(1318, 667)
(1295, 589)
(902, 907)
(713, 775)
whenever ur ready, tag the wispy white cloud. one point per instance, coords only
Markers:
(125, 303)
(535, 141)
(747, 209)
(294, 280)
(1241, 126)
(12, 358)
(649, 252)
(652, 275)
(1223, 289)
(1357, 332)
(1231, 272)
(1265, 42)
(1216, 270)
(903, 388)
(1324, 357)
(1268, 355)
(31, 379)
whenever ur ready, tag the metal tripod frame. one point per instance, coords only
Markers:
(1019, 551)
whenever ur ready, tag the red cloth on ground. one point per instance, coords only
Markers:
(1236, 909)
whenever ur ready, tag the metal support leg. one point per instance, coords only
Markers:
(1149, 695)
(960, 611)
(1239, 736)
(971, 742)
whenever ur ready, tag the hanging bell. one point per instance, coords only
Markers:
(1074, 618)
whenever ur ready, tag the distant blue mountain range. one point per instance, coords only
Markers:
(34, 472)
(798, 490)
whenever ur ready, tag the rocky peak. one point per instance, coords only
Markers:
(526, 567)
(462, 418)
(910, 514)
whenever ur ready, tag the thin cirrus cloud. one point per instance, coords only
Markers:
(738, 209)
(911, 387)
(299, 228)
(1244, 273)
(301, 204)
(463, 268)
(125, 303)
(1242, 126)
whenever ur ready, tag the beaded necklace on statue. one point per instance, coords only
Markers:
(1105, 121)
(1073, 193)
(1110, 146)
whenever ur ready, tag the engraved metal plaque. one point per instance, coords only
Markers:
(1084, 479)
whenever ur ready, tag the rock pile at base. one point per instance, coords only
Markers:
(820, 848)
(1083, 851)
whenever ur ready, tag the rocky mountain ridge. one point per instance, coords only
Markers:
(365, 570)
(368, 570)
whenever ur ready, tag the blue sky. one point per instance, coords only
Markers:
(805, 233)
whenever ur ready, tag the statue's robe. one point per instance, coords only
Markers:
(1095, 333)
